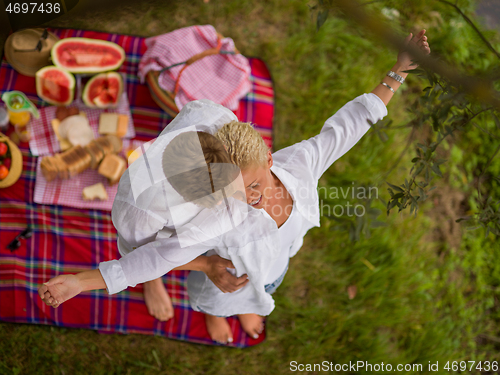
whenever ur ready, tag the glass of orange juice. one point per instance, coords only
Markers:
(19, 108)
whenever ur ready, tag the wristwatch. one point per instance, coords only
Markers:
(395, 76)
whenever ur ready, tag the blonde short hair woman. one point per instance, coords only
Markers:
(283, 184)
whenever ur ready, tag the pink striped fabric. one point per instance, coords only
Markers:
(221, 78)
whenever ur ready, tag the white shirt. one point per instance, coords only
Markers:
(287, 233)
(298, 167)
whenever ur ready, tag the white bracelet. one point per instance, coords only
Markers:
(396, 76)
(389, 87)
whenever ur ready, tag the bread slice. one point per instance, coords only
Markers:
(50, 168)
(76, 160)
(112, 167)
(96, 153)
(114, 124)
(110, 144)
(96, 191)
(57, 163)
(115, 142)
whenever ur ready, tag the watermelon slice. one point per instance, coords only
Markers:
(103, 90)
(55, 85)
(84, 55)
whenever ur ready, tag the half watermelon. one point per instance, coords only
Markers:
(55, 85)
(103, 90)
(84, 55)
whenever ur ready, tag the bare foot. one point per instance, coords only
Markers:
(157, 300)
(218, 329)
(252, 324)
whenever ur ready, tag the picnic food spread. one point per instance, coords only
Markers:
(83, 145)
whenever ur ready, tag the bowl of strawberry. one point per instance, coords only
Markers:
(11, 162)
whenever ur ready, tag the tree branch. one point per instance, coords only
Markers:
(477, 87)
(468, 20)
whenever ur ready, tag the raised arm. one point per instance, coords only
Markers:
(348, 125)
(403, 63)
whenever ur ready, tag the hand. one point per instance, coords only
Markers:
(221, 277)
(59, 289)
(417, 41)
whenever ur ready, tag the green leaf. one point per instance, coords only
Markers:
(322, 16)
(436, 170)
(421, 192)
(392, 204)
(419, 169)
(415, 159)
(424, 148)
(397, 188)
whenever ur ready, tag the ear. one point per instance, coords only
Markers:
(269, 159)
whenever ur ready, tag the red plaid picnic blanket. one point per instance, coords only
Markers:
(70, 240)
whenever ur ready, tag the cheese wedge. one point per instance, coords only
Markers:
(113, 123)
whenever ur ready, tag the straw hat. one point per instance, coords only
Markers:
(28, 63)
(16, 165)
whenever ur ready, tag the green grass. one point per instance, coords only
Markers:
(419, 298)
